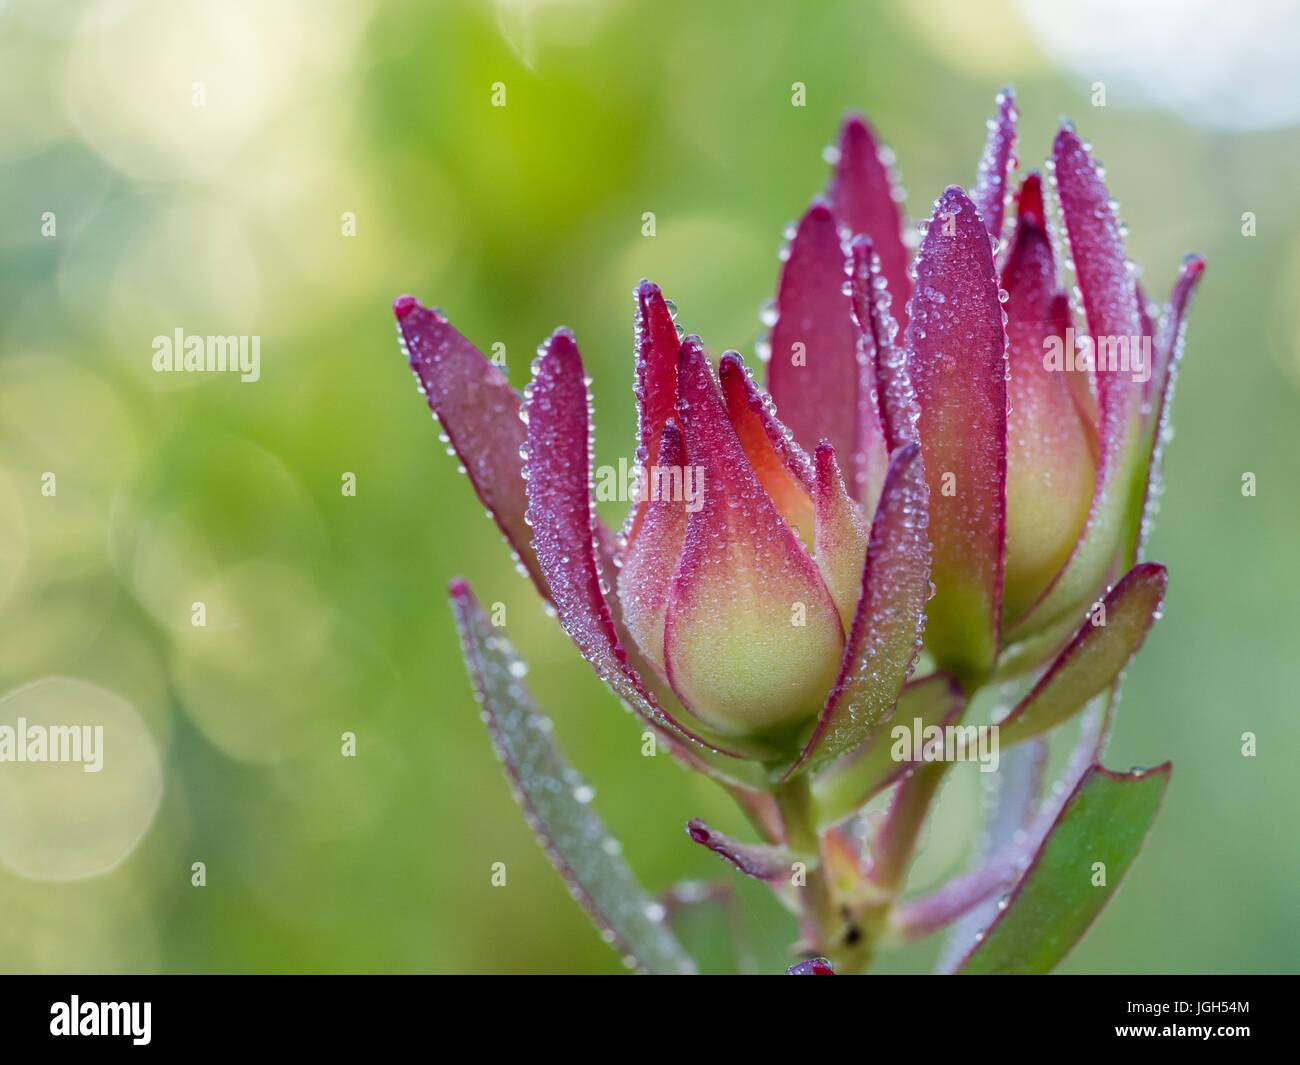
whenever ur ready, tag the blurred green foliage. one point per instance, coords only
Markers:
(326, 613)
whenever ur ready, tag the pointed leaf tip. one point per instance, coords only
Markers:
(479, 413)
(1109, 297)
(1030, 203)
(996, 164)
(813, 372)
(866, 199)
(897, 411)
(753, 859)
(1095, 658)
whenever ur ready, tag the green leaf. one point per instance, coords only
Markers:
(871, 767)
(557, 803)
(1104, 821)
(1095, 657)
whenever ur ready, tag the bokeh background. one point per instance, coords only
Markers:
(326, 613)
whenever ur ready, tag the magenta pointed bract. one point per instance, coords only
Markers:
(479, 412)
(956, 351)
(1110, 301)
(657, 345)
(866, 198)
(996, 164)
(814, 374)
(897, 408)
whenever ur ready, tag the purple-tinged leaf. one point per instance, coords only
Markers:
(657, 345)
(1101, 827)
(1169, 335)
(996, 164)
(957, 359)
(1110, 301)
(655, 385)
(557, 803)
(845, 785)
(1094, 659)
(562, 517)
(886, 632)
(811, 967)
(814, 370)
(782, 466)
(867, 200)
(755, 860)
(872, 303)
(1169, 353)
(479, 413)
(1110, 304)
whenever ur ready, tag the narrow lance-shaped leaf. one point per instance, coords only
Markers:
(867, 199)
(996, 164)
(1169, 352)
(479, 413)
(872, 309)
(655, 382)
(557, 804)
(1074, 874)
(755, 860)
(957, 359)
(1094, 659)
(886, 633)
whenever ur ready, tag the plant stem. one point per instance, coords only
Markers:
(794, 800)
(826, 927)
